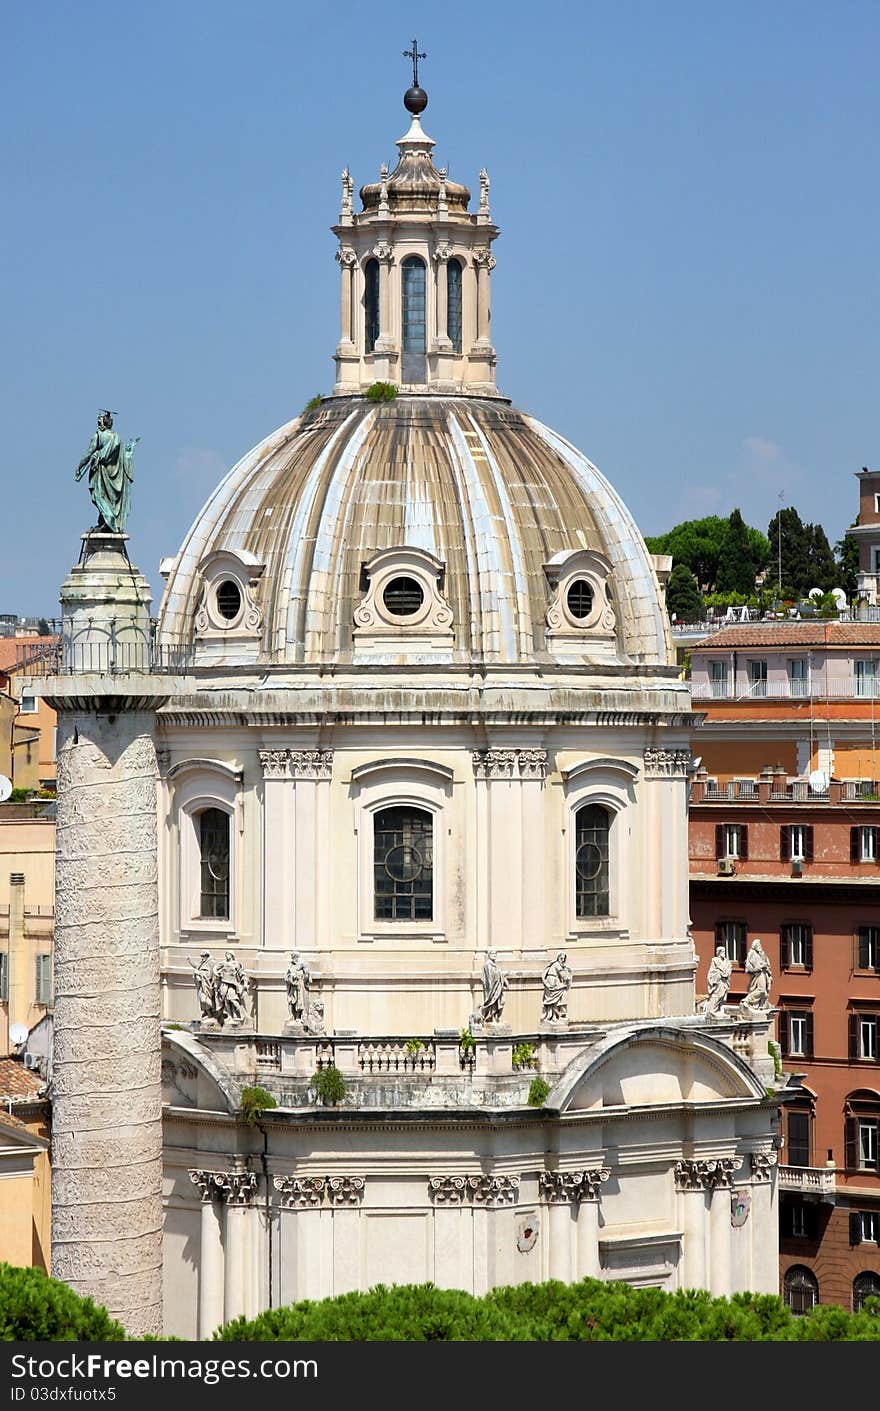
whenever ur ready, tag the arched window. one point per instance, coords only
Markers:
(865, 1285)
(453, 303)
(412, 274)
(403, 876)
(592, 827)
(800, 1289)
(213, 833)
(371, 304)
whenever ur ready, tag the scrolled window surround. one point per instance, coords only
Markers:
(225, 573)
(427, 627)
(580, 579)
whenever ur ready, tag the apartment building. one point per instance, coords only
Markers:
(785, 846)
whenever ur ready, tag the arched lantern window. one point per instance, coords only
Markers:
(371, 304)
(453, 303)
(413, 319)
(403, 877)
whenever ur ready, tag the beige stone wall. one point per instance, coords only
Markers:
(503, 861)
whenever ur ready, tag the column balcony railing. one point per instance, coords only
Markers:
(119, 646)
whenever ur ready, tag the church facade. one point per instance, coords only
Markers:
(398, 791)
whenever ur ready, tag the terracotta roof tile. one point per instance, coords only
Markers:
(16, 1081)
(792, 634)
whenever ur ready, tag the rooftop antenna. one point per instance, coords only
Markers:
(779, 545)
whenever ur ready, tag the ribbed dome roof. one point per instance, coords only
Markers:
(487, 490)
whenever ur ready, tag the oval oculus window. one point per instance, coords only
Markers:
(580, 598)
(403, 596)
(228, 599)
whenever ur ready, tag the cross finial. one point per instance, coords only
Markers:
(415, 56)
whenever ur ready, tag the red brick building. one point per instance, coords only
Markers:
(795, 860)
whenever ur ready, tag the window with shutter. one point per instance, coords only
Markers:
(854, 852)
(868, 948)
(868, 1145)
(808, 842)
(719, 840)
(44, 980)
(744, 841)
(784, 949)
(853, 1023)
(785, 843)
(798, 1139)
(855, 1227)
(4, 976)
(849, 1144)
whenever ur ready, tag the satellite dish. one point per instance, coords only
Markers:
(5, 788)
(815, 593)
(839, 597)
(18, 1034)
(818, 781)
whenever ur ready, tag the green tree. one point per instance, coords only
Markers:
(821, 559)
(796, 566)
(695, 543)
(736, 567)
(683, 597)
(847, 551)
(35, 1308)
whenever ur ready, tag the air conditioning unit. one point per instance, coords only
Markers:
(31, 1060)
(726, 867)
(797, 867)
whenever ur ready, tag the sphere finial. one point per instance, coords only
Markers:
(415, 99)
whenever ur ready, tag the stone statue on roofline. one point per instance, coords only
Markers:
(221, 989)
(556, 980)
(495, 986)
(757, 967)
(109, 466)
(718, 982)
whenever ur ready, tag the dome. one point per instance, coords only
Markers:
(493, 506)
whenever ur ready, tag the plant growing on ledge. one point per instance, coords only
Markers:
(523, 1056)
(466, 1041)
(254, 1102)
(538, 1090)
(313, 402)
(329, 1085)
(414, 1046)
(381, 392)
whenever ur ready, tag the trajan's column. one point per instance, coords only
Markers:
(107, 1132)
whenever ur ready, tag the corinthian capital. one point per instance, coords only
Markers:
(484, 258)
(705, 1175)
(274, 763)
(346, 256)
(666, 764)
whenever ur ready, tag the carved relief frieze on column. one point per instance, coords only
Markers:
(667, 764)
(239, 1187)
(493, 1190)
(208, 1184)
(762, 1163)
(301, 1192)
(311, 764)
(447, 1190)
(705, 1175)
(345, 1190)
(275, 763)
(510, 764)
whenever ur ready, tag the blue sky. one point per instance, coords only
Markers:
(686, 283)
